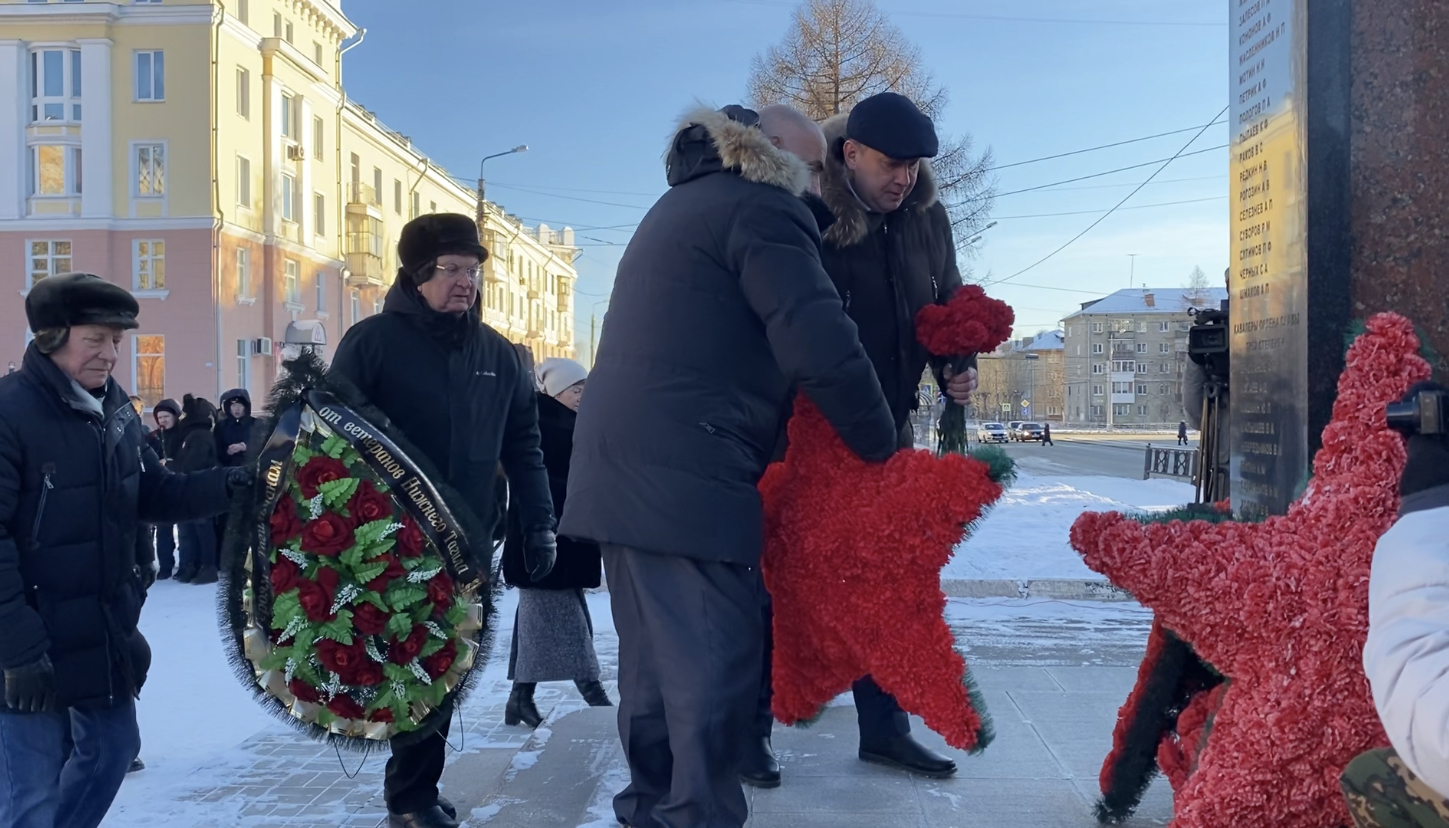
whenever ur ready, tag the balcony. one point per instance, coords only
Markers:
(363, 200)
(366, 270)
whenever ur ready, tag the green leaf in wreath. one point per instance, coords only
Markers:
(400, 713)
(333, 446)
(383, 699)
(433, 645)
(370, 533)
(325, 718)
(285, 608)
(301, 454)
(307, 673)
(405, 595)
(336, 493)
(339, 629)
(365, 573)
(276, 659)
(397, 672)
(456, 614)
(399, 625)
(374, 598)
(437, 691)
(421, 613)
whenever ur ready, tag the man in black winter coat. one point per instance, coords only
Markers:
(457, 391)
(234, 427)
(76, 481)
(720, 306)
(166, 442)
(198, 544)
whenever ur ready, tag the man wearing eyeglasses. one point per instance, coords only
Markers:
(459, 393)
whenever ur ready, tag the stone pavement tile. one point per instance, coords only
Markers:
(1004, 803)
(552, 782)
(895, 794)
(1076, 727)
(1016, 678)
(836, 820)
(1092, 678)
(1156, 807)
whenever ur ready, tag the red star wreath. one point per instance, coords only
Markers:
(853, 558)
(1280, 610)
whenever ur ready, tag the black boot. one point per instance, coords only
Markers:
(521, 707)
(185, 576)
(136, 766)
(448, 808)
(433, 817)
(905, 753)
(594, 693)
(760, 769)
(206, 575)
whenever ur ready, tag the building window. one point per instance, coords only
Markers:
(1099, 368)
(397, 196)
(1096, 327)
(321, 292)
(243, 273)
(1141, 390)
(1142, 327)
(55, 85)
(1164, 348)
(151, 76)
(1142, 411)
(289, 198)
(289, 122)
(244, 93)
(148, 265)
(416, 205)
(319, 209)
(1142, 347)
(432, 206)
(244, 182)
(276, 24)
(1162, 388)
(1097, 390)
(376, 307)
(1122, 410)
(150, 367)
(377, 186)
(243, 364)
(150, 170)
(55, 170)
(243, 13)
(319, 127)
(1164, 327)
(355, 308)
(47, 258)
(292, 282)
(1098, 348)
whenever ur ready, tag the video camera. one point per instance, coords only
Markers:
(1425, 414)
(1207, 341)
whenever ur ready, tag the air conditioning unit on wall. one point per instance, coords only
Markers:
(296, 152)
(262, 346)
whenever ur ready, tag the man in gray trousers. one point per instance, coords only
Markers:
(720, 307)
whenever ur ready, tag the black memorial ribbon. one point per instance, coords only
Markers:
(274, 463)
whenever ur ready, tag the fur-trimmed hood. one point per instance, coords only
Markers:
(852, 223)
(708, 141)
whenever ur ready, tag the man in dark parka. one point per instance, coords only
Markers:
(458, 392)
(720, 306)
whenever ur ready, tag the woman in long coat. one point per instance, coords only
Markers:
(553, 635)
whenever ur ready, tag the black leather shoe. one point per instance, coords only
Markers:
(433, 817)
(594, 693)
(760, 769)
(136, 766)
(185, 576)
(905, 753)
(520, 708)
(206, 575)
(448, 807)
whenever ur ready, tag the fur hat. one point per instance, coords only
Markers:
(58, 303)
(425, 238)
(557, 375)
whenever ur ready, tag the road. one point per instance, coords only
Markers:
(1110, 455)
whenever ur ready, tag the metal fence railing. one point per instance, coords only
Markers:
(1176, 463)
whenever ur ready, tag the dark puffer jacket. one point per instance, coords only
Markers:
(76, 481)
(579, 564)
(886, 268)
(197, 450)
(719, 305)
(232, 430)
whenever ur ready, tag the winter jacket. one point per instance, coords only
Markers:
(197, 450)
(231, 430)
(578, 565)
(76, 481)
(719, 305)
(1406, 656)
(457, 391)
(166, 443)
(886, 268)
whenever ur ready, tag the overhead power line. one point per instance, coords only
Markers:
(1113, 172)
(1101, 147)
(1103, 217)
(1089, 212)
(994, 18)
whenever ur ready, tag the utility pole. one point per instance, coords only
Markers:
(1131, 278)
(482, 195)
(593, 341)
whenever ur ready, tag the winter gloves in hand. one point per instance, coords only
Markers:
(1428, 465)
(237, 478)
(30, 688)
(540, 550)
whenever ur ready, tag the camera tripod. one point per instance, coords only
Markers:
(1211, 477)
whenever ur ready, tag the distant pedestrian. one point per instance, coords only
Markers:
(166, 442)
(1046, 434)
(1182, 434)
(197, 546)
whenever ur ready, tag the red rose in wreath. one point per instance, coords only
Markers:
(404, 651)
(382, 715)
(369, 620)
(368, 505)
(285, 522)
(343, 707)
(368, 674)
(303, 691)
(438, 663)
(329, 535)
(285, 576)
(342, 659)
(392, 573)
(316, 596)
(317, 471)
(440, 591)
(410, 540)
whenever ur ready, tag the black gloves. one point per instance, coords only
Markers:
(540, 550)
(238, 477)
(30, 688)
(1428, 465)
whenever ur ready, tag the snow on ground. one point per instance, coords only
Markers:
(1025, 536)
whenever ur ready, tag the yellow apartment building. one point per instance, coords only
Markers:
(204, 154)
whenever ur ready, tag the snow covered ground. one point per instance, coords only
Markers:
(1025, 536)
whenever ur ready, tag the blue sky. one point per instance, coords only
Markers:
(594, 89)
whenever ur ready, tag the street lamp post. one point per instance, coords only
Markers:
(481, 196)
(593, 331)
(1031, 383)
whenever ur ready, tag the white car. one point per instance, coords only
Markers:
(993, 433)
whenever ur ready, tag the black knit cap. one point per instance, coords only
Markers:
(425, 238)
(69, 299)
(891, 124)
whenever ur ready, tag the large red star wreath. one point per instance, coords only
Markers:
(853, 558)
(1280, 609)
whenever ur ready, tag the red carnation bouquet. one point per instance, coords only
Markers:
(969, 323)
(365, 621)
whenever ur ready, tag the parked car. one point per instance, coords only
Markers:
(1011, 428)
(1027, 432)
(993, 433)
